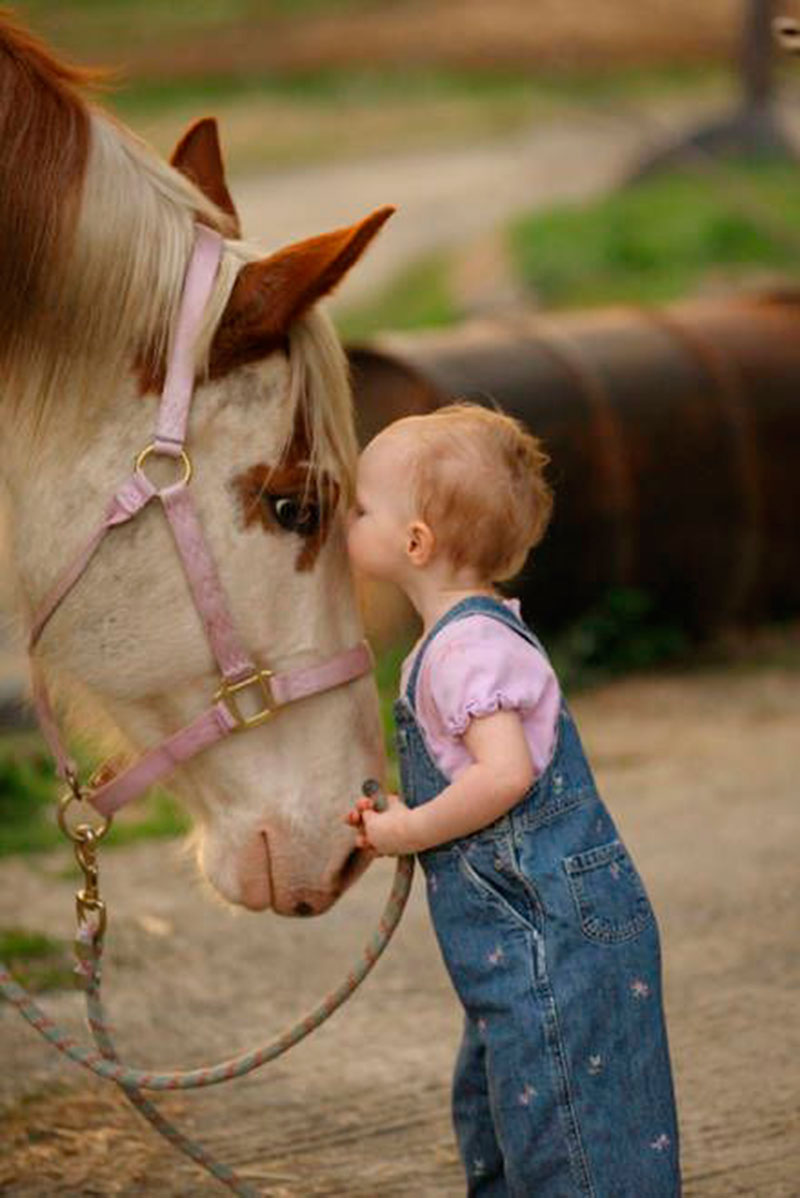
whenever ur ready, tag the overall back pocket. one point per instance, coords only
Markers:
(609, 895)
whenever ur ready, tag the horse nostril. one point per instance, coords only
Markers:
(303, 909)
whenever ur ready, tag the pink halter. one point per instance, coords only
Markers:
(239, 673)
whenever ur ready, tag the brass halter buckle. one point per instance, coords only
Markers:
(229, 691)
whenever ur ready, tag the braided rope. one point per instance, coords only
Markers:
(98, 1025)
(211, 1075)
(105, 1062)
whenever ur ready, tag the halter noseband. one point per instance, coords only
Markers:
(239, 674)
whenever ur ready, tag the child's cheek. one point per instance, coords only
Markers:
(357, 548)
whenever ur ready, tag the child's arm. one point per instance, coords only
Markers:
(501, 774)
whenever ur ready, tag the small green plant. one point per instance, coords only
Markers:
(27, 796)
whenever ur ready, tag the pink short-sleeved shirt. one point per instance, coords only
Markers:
(473, 667)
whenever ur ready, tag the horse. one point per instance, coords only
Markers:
(96, 234)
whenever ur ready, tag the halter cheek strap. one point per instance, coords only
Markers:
(240, 676)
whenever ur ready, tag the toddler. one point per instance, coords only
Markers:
(562, 1084)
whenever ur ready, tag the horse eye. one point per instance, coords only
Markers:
(294, 515)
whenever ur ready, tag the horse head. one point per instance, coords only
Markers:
(95, 238)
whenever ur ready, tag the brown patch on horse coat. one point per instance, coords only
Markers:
(44, 134)
(291, 478)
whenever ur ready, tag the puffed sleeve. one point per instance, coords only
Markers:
(483, 666)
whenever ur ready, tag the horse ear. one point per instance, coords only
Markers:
(198, 156)
(271, 294)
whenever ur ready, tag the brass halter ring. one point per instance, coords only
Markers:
(80, 833)
(183, 458)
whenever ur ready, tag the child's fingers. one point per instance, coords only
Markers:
(355, 814)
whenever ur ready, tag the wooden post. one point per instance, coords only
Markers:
(757, 56)
(753, 128)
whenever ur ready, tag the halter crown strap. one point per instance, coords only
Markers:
(239, 673)
(176, 398)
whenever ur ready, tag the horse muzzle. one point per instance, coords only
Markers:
(271, 872)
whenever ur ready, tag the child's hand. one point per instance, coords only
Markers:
(388, 833)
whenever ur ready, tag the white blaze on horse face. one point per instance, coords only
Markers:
(269, 801)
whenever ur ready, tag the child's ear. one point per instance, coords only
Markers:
(420, 543)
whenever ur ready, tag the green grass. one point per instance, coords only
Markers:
(652, 243)
(29, 791)
(664, 238)
(27, 797)
(387, 676)
(269, 121)
(352, 88)
(36, 961)
(420, 297)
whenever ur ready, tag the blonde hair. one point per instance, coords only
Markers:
(477, 479)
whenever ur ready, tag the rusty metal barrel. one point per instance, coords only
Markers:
(674, 437)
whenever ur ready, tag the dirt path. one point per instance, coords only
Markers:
(701, 772)
(448, 196)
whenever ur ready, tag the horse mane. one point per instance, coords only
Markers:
(44, 134)
(96, 231)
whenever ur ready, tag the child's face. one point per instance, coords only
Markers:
(377, 526)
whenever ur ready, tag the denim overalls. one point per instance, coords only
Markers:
(562, 1085)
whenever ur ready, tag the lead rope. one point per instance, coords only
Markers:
(91, 915)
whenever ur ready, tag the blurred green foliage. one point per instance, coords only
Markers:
(418, 297)
(29, 791)
(651, 243)
(36, 961)
(622, 633)
(663, 238)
